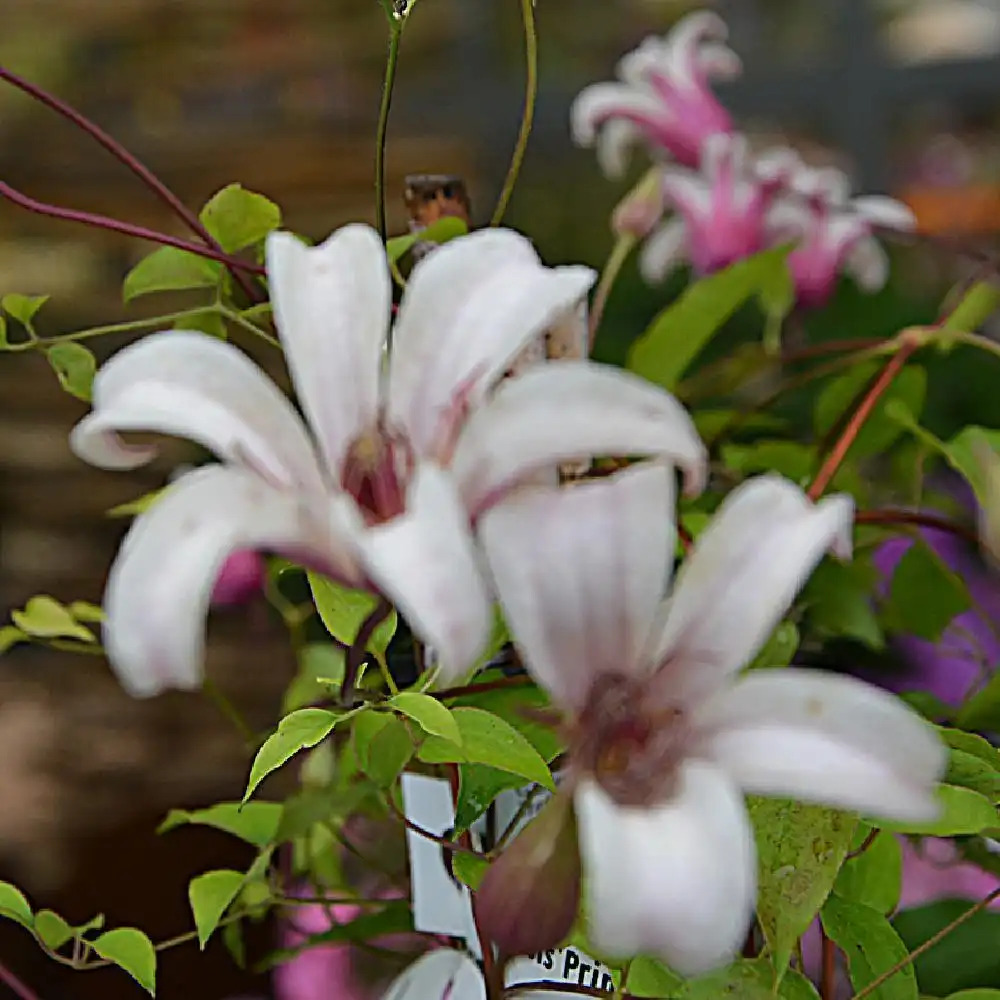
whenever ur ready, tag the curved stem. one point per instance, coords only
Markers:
(15, 985)
(120, 153)
(392, 59)
(616, 259)
(908, 517)
(358, 649)
(973, 340)
(528, 116)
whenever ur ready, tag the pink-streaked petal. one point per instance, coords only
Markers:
(566, 412)
(442, 974)
(677, 880)
(614, 143)
(868, 262)
(580, 571)
(195, 386)
(160, 585)
(740, 578)
(886, 213)
(425, 562)
(606, 102)
(665, 249)
(331, 307)
(468, 309)
(826, 738)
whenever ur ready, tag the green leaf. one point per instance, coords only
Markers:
(11, 635)
(839, 599)
(210, 895)
(446, 228)
(22, 307)
(779, 648)
(45, 618)
(52, 929)
(169, 269)
(321, 667)
(800, 850)
(969, 771)
(974, 994)
(791, 459)
(875, 876)
(925, 594)
(132, 951)
(487, 739)
(963, 812)
(254, 822)
(428, 713)
(239, 218)
(469, 869)
(13, 905)
(208, 321)
(4, 342)
(881, 429)
(982, 709)
(972, 744)
(343, 611)
(962, 452)
(84, 611)
(871, 947)
(383, 746)
(678, 334)
(649, 978)
(747, 980)
(303, 728)
(138, 505)
(74, 366)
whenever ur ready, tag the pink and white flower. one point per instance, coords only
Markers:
(380, 488)
(662, 96)
(665, 736)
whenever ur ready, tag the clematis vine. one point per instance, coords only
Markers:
(662, 96)
(664, 735)
(381, 487)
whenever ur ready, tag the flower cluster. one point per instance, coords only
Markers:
(727, 202)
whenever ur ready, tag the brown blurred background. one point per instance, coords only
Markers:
(282, 97)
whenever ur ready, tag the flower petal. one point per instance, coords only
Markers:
(467, 311)
(195, 386)
(160, 584)
(826, 738)
(425, 562)
(665, 249)
(442, 974)
(331, 306)
(886, 213)
(740, 578)
(869, 263)
(676, 880)
(605, 102)
(684, 47)
(580, 571)
(568, 411)
(613, 145)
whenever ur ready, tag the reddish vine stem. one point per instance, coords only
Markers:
(133, 163)
(521, 680)
(16, 986)
(843, 444)
(890, 517)
(828, 974)
(125, 228)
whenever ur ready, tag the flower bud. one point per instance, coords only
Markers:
(529, 898)
(641, 209)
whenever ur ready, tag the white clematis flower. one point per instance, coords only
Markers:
(379, 489)
(665, 735)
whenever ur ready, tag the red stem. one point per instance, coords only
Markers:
(890, 517)
(137, 167)
(126, 228)
(828, 977)
(16, 986)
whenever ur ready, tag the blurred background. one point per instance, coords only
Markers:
(905, 94)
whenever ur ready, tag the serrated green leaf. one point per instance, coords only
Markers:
(169, 269)
(13, 905)
(254, 822)
(488, 739)
(303, 728)
(871, 946)
(52, 929)
(800, 849)
(239, 218)
(10, 635)
(74, 366)
(344, 610)
(22, 307)
(210, 895)
(132, 951)
(433, 717)
(678, 334)
(446, 228)
(45, 618)
(963, 811)
(875, 876)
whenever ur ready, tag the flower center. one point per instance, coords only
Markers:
(631, 746)
(376, 472)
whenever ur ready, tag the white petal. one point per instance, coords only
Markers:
(442, 974)
(604, 102)
(719, 62)
(740, 578)
(467, 311)
(826, 738)
(776, 165)
(580, 571)
(195, 386)
(425, 562)
(665, 249)
(677, 880)
(868, 262)
(614, 143)
(331, 307)
(687, 191)
(567, 412)
(685, 43)
(160, 584)
(884, 212)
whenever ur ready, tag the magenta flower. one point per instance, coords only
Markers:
(662, 96)
(327, 970)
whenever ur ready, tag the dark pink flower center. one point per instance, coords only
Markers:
(376, 472)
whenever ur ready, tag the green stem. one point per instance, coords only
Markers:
(616, 259)
(528, 117)
(237, 319)
(973, 340)
(230, 711)
(396, 23)
(99, 331)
